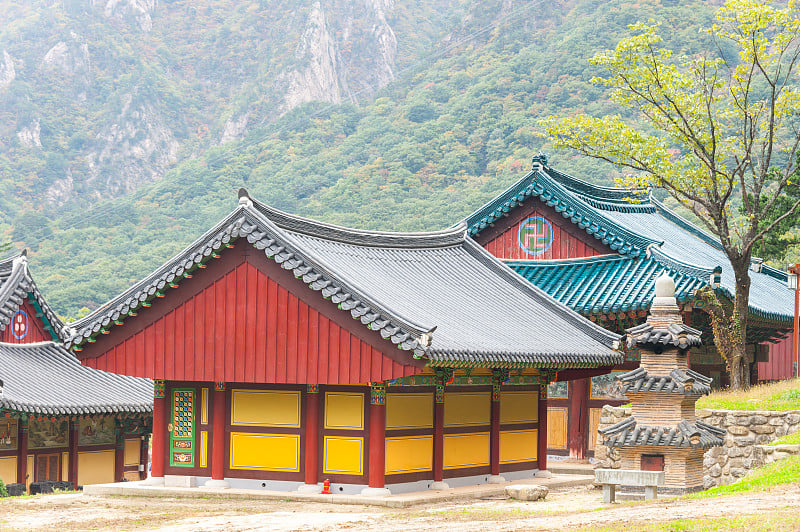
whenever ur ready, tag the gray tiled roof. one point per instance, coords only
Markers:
(46, 379)
(438, 295)
(686, 382)
(16, 285)
(628, 433)
(678, 335)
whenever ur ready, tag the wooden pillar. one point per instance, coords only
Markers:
(377, 435)
(438, 434)
(144, 452)
(119, 451)
(218, 433)
(542, 440)
(159, 431)
(312, 435)
(579, 418)
(74, 426)
(494, 434)
(22, 457)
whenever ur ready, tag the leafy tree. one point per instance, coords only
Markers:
(717, 131)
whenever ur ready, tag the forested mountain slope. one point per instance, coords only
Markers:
(126, 126)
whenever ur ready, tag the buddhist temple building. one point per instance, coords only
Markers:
(598, 250)
(662, 433)
(59, 420)
(286, 352)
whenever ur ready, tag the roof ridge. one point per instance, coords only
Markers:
(597, 192)
(450, 236)
(682, 222)
(356, 290)
(548, 188)
(692, 270)
(567, 262)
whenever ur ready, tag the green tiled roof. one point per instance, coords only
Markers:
(611, 283)
(638, 227)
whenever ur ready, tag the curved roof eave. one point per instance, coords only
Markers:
(539, 184)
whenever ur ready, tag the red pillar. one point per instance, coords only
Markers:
(74, 425)
(312, 435)
(218, 433)
(159, 431)
(22, 456)
(438, 434)
(494, 434)
(542, 440)
(579, 418)
(119, 453)
(377, 436)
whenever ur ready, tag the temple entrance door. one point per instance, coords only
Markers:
(48, 467)
(182, 427)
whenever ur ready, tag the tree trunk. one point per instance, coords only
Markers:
(740, 374)
(735, 367)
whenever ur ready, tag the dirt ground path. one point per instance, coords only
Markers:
(563, 510)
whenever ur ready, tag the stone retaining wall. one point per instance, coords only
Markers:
(744, 448)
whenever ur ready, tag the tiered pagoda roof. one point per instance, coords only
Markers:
(438, 295)
(629, 433)
(685, 382)
(676, 334)
(649, 239)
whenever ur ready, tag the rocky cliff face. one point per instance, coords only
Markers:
(7, 71)
(346, 52)
(139, 145)
(116, 89)
(138, 11)
(70, 61)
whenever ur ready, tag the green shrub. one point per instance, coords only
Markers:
(3, 490)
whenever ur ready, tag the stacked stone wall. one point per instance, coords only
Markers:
(744, 444)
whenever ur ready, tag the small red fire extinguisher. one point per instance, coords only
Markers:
(326, 487)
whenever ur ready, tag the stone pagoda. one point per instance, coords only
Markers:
(662, 433)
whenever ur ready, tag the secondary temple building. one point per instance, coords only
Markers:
(599, 253)
(59, 420)
(287, 351)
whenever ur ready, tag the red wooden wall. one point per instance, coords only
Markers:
(569, 241)
(246, 327)
(779, 365)
(35, 331)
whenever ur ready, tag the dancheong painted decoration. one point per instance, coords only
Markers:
(19, 325)
(535, 235)
(293, 351)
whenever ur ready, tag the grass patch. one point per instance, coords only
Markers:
(789, 439)
(782, 395)
(766, 521)
(785, 471)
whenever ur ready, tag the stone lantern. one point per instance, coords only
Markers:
(662, 433)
